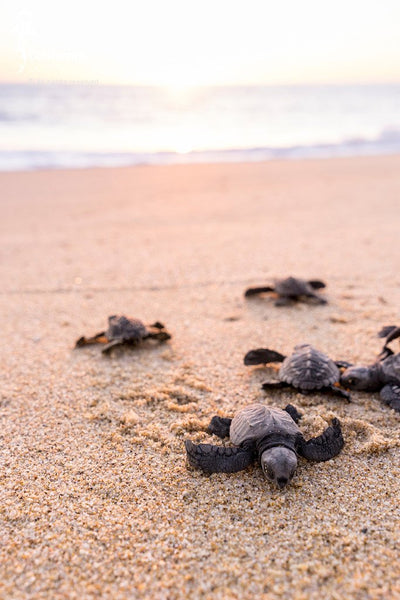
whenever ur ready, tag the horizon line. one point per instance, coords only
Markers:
(60, 81)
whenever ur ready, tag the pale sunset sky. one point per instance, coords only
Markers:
(187, 42)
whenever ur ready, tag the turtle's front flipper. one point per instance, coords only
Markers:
(219, 426)
(337, 391)
(389, 331)
(99, 338)
(316, 284)
(157, 325)
(390, 395)
(262, 356)
(323, 447)
(293, 412)
(258, 290)
(219, 459)
(274, 385)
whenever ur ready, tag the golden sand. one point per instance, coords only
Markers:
(96, 499)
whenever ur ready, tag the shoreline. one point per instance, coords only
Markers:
(183, 159)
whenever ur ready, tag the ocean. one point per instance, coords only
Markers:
(60, 125)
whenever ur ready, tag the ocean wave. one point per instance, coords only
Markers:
(388, 142)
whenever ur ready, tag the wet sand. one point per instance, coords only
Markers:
(96, 499)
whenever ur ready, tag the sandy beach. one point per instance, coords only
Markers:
(96, 499)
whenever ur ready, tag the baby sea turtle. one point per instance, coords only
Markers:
(291, 290)
(125, 331)
(383, 376)
(306, 369)
(268, 434)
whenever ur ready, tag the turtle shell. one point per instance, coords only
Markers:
(308, 369)
(130, 330)
(291, 286)
(256, 420)
(391, 369)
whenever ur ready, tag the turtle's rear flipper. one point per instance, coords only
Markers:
(218, 459)
(390, 395)
(317, 298)
(333, 389)
(316, 284)
(285, 300)
(258, 290)
(262, 356)
(99, 338)
(323, 447)
(274, 385)
(384, 353)
(390, 332)
(219, 426)
(113, 344)
(160, 335)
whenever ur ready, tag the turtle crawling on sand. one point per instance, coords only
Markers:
(267, 434)
(307, 369)
(382, 376)
(291, 290)
(125, 331)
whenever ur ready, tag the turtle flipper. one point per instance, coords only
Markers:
(218, 459)
(113, 344)
(323, 447)
(262, 356)
(284, 300)
(157, 331)
(293, 412)
(258, 290)
(318, 299)
(99, 338)
(389, 331)
(390, 395)
(274, 385)
(220, 426)
(342, 364)
(334, 389)
(316, 284)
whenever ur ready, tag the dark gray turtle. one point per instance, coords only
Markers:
(382, 376)
(268, 434)
(291, 290)
(306, 369)
(124, 331)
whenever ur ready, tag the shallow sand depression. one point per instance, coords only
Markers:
(96, 498)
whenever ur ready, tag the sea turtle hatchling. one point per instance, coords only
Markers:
(306, 369)
(382, 376)
(125, 331)
(291, 289)
(268, 434)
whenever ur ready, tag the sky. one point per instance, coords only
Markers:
(187, 42)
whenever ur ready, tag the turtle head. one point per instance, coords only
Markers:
(359, 378)
(279, 465)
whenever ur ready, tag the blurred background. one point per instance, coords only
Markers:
(175, 81)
